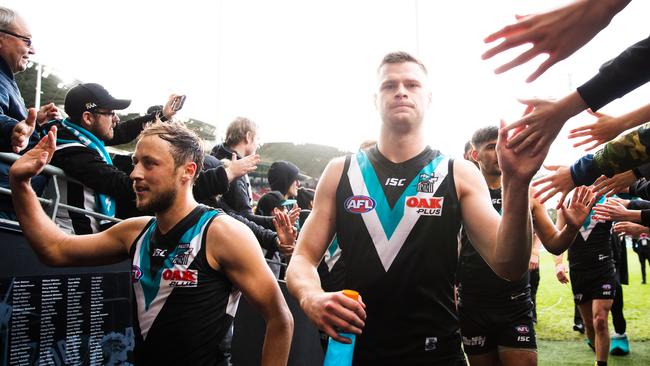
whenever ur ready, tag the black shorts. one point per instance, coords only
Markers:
(587, 287)
(485, 329)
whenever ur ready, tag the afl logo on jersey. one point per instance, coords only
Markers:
(136, 273)
(359, 204)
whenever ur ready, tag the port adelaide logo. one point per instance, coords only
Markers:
(426, 206)
(426, 183)
(359, 204)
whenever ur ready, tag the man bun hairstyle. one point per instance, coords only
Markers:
(185, 144)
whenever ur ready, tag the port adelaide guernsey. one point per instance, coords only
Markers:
(397, 226)
(184, 307)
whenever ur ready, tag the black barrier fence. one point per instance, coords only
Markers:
(83, 315)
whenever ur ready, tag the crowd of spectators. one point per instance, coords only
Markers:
(101, 182)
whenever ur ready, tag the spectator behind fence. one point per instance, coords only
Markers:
(283, 177)
(273, 202)
(283, 236)
(305, 200)
(16, 123)
(241, 140)
(82, 155)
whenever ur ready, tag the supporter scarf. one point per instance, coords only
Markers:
(105, 204)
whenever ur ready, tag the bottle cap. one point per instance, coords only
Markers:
(351, 294)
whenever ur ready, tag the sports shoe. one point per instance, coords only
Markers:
(590, 344)
(619, 345)
(580, 328)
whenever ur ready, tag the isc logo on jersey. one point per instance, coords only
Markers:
(181, 277)
(359, 204)
(431, 206)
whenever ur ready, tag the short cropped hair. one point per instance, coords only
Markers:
(237, 130)
(400, 57)
(7, 18)
(185, 143)
(483, 135)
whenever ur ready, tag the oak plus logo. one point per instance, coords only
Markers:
(181, 277)
(423, 206)
(359, 204)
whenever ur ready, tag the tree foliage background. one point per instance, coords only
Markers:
(310, 158)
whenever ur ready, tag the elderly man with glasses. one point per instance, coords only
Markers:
(17, 123)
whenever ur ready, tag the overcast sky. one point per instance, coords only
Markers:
(305, 70)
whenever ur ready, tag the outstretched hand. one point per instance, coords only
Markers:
(630, 228)
(605, 129)
(287, 233)
(581, 203)
(33, 161)
(612, 210)
(559, 181)
(616, 184)
(537, 130)
(517, 164)
(239, 167)
(557, 33)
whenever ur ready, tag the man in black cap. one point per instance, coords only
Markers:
(92, 124)
(272, 202)
(283, 177)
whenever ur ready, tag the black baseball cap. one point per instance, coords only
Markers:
(271, 200)
(88, 97)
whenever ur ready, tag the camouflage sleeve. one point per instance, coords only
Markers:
(625, 152)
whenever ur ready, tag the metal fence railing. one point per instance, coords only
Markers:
(53, 201)
(53, 204)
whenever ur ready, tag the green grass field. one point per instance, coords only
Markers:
(560, 345)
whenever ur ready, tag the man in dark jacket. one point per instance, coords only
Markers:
(16, 124)
(81, 154)
(241, 141)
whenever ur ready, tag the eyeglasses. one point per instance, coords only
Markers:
(111, 113)
(27, 40)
